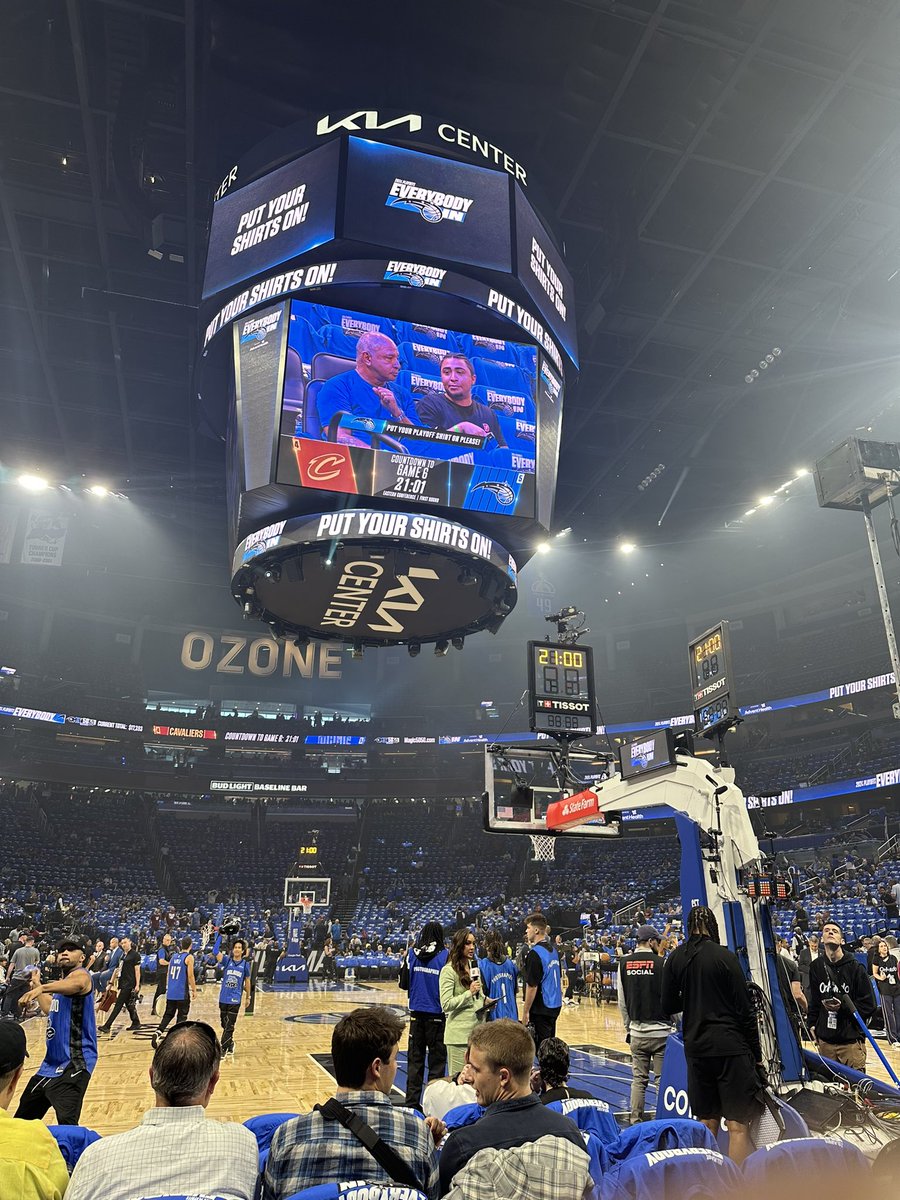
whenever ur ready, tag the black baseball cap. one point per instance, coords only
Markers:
(12, 1046)
(71, 943)
(646, 933)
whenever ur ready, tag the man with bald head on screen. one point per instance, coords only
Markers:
(365, 391)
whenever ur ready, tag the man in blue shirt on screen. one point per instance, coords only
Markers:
(365, 391)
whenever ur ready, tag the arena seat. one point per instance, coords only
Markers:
(504, 375)
(475, 345)
(429, 335)
(681, 1174)
(304, 340)
(420, 384)
(591, 1116)
(263, 1129)
(508, 401)
(351, 323)
(648, 1136)
(73, 1140)
(421, 358)
(463, 1114)
(795, 1161)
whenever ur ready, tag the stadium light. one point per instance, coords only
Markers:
(627, 547)
(413, 648)
(441, 648)
(543, 547)
(764, 501)
(97, 489)
(801, 472)
(33, 483)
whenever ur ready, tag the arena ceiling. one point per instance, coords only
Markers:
(725, 175)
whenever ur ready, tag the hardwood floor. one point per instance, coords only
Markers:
(274, 1069)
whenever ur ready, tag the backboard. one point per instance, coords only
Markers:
(521, 781)
(316, 890)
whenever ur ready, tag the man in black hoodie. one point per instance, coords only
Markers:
(837, 983)
(704, 982)
(420, 976)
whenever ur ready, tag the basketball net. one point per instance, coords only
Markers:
(543, 847)
(305, 906)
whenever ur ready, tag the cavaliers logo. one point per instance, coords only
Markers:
(324, 467)
(502, 492)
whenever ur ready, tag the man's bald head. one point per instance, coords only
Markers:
(377, 359)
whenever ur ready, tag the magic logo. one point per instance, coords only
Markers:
(431, 205)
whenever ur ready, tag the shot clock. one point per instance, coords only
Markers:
(561, 689)
(712, 679)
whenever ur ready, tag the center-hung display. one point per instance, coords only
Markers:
(408, 411)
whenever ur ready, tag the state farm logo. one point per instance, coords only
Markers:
(324, 466)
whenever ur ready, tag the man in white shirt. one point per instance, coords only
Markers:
(176, 1149)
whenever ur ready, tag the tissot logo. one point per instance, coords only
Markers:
(324, 466)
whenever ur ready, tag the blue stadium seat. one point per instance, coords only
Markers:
(429, 335)
(303, 340)
(324, 366)
(352, 323)
(506, 376)
(421, 358)
(591, 1116)
(498, 349)
(463, 1114)
(797, 1160)
(680, 1174)
(420, 384)
(660, 1135)
(517, 405)
(73, 1140)
(263, 1129)
(519, 434)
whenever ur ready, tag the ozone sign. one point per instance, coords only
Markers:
(375, 578)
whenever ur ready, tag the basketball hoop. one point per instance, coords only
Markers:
(543, 847)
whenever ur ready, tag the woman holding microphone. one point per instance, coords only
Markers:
(462, 1000)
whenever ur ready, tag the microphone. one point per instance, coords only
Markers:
(564, 614)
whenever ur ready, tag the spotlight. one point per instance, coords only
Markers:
(457, 642)
(97, 489)
(358, 650)
(441, 648)
(776, 350)
(748, 379)
(542, 547)
(763, 364)
(770, 358)
(33, 483)
(467, 578)
(803, 471)
(414, 648)
(273, 572)
(627, 547)
(764, 501)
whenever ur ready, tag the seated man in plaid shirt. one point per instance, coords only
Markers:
(312, 1149)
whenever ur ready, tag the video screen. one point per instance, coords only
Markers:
(379, 407)
(422, 204)
(648, 753)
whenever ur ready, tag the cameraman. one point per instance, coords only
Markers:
(837, 983)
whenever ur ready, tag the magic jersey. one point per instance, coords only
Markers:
(176, 988)
(71, 1035)
(233, 976)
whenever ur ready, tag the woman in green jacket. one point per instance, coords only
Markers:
(461, 998)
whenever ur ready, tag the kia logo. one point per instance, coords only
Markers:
(325, 466)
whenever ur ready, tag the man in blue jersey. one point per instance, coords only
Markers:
(420, 976)
(365, 391)
(235, 984)
(61, 1080)
(499, 978)
(163, 954)
(180, 989)
(543, 980)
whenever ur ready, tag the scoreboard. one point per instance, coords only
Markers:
(712, 679)
(561, 689)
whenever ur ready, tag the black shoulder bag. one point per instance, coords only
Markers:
(387, 1158)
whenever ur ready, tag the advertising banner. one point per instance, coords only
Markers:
(45, 539)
